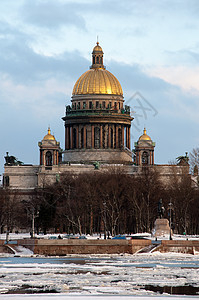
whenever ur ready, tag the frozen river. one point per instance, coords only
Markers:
(143, 275)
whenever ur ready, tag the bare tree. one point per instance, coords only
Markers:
(194, 160)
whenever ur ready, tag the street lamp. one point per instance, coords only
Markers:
(170, 208)
(104, 204)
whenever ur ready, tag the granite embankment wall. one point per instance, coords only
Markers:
(63, 247)
(179, 246)
(70, 246)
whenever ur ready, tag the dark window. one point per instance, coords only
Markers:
(48, 158)
(115, 105)
(104, 104)
(119, 137)
(90, 105)
(6, 181)
(74, 138)
(119, 105)
(93, 59)
(84, 105)
(145, 158)
(78, 106)
(111, 137)
(97, 59)
(97, 137)
(82, 138)
(110, 104)
(75, 106)
(97, 104)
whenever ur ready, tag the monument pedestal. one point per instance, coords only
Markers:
(161, 228)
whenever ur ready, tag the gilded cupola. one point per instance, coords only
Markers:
(144, 136)
(49, 136)
(97, 80)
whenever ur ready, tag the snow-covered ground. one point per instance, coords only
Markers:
(14, 236)
(64, 297)
(102, 275)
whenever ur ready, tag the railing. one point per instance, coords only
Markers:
(99, 111)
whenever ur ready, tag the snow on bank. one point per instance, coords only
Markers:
(14, 236)
(65, 297)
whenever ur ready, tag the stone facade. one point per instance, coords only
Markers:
(30, 177)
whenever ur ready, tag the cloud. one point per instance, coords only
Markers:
(186, 77)
(20, 63)
(52, 14)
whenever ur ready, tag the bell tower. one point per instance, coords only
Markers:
(144, 150)
(50, 151)
(97, 57)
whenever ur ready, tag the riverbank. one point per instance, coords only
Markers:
(98, 246)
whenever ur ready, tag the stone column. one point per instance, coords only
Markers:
(77, 137)
(43, 158)
(116, 136)
(109, 136)
(57, 157)
(88, 136)
(129, 137)
(67, 138)
(71, 137)
(105, 136)
(126, 136)
(53, 162)
(122, 135)
(84, 136)
(101, 137)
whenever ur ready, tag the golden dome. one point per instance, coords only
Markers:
(49, 136)
(97, 81)
(97, 48)
(144, 137)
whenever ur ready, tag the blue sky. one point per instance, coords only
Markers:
(151, 46)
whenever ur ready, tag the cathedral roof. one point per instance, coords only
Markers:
(144, 137)
(97, 80)
(49, 136)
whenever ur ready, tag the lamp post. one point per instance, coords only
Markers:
(104, 203)
(170, 208)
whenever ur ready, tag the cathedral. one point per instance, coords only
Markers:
(97, 136)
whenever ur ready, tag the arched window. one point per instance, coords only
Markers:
(93, 59)
(48, 158)
(145, 158)
(97, 137)
(74, 138)
(119, 137)
(82, 138)
(97, 58)
(111, 137)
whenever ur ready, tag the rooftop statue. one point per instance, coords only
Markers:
(12, 160)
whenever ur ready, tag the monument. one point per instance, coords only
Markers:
(161, 228)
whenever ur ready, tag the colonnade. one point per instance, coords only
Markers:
(97, 136)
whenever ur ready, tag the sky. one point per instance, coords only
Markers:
(151, 46)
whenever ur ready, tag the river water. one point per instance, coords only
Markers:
(141, 274)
